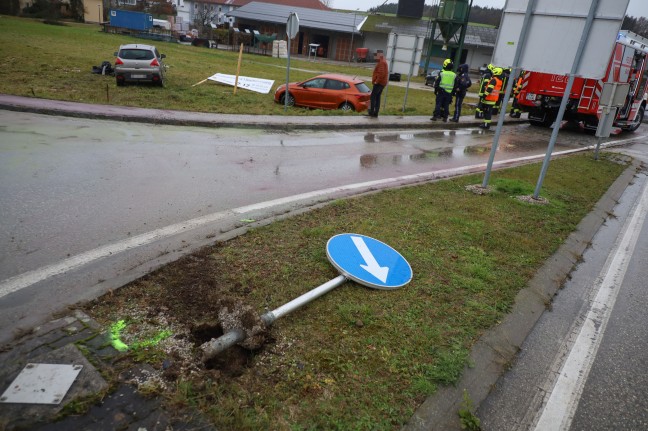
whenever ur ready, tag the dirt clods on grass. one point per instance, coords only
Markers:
(236, 315)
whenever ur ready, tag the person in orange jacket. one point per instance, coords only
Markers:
(491, 95)
(379, 79)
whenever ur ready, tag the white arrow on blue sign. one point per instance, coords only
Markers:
(368, 261)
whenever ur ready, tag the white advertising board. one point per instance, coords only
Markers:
(554, 33)
(401, 53)
(253, 84)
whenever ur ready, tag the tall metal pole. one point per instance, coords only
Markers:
(287, 78)
(509, 85)
(565, 99)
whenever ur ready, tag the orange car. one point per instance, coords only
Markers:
(329, 91)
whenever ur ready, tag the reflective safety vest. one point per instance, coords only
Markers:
(493, 90)
(447, 80)
(518, 86)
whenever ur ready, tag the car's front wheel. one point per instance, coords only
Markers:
(291, 99)
(346, 106)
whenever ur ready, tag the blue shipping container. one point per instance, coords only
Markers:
(131, 19)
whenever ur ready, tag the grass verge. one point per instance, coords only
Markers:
(356, 358)
(55, 62)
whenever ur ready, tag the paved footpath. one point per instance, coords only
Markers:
(77, 339)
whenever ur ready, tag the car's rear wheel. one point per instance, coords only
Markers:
(291, 99)
(346, 106)
(120, 82)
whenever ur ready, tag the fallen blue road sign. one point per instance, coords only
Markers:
(368, 261)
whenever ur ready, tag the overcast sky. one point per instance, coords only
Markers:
(636, 8)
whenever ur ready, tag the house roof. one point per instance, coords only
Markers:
(476, 34)
(309, 4)
(310, 18)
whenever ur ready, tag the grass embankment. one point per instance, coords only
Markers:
(357, 359)
(55, 62)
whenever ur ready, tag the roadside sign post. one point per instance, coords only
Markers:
(292, 28)
(509, 86)
(360, 258)
(613, 96)
(565, 98)
(555, 37)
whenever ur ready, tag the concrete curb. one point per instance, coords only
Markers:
(492, 353)
(202, 119)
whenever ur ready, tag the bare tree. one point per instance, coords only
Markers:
(203, 17)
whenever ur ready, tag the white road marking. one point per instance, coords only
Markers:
(29, 278)
(560, 408)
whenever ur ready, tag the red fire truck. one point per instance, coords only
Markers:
(541, 93)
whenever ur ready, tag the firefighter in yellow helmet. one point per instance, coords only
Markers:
(506, 73)
(491, 95)
(483, 83)
(516, 112)
(443, 87)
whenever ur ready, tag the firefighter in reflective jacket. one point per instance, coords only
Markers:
(516, 112)
(506, 73)
(491, 95)
(486, 77)
(443, 90)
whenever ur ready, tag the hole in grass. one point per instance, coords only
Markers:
(203, 332)
(232, 362)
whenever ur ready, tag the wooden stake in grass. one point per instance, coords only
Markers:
(107, 94)
(238, 69)
(198, 83)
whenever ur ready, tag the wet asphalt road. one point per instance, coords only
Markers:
(583, 367)
(70, 188)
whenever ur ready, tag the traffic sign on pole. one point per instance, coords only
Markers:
(368, 261)
(292, 25)
(359, 258)
(292, 28)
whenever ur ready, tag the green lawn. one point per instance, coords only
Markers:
(357, 358)
(55, 62)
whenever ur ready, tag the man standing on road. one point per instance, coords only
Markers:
(491, 95)
(443, 90)
(462, 82)
(379, 79)
(516, 112)
(485, 79)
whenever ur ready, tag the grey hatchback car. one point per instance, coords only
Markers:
(139, 63)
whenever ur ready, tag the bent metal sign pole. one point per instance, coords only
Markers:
(360, 258)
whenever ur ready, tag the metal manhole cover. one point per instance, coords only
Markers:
(41, 384)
